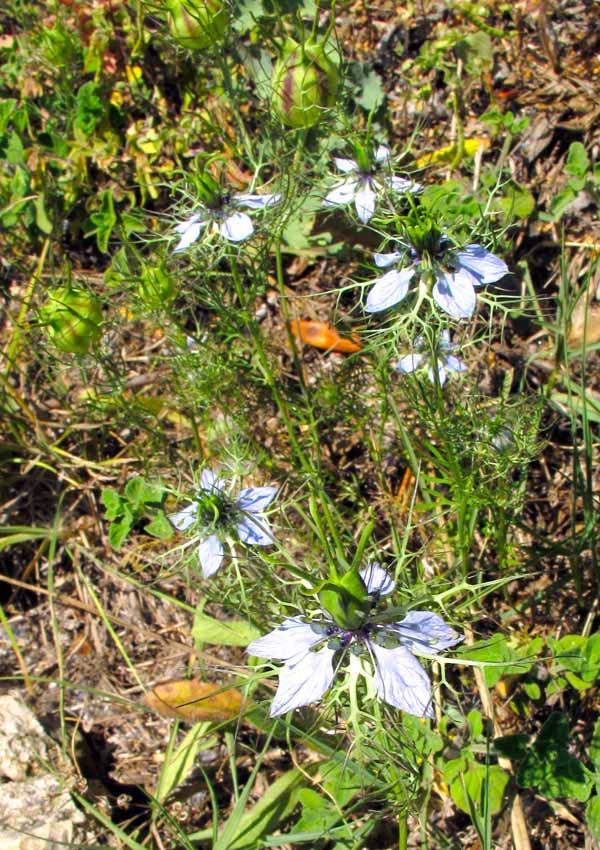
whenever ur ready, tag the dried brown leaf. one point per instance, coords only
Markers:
(193, 701)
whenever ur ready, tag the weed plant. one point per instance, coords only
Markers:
(318, 472)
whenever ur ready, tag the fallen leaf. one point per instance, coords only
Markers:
(323, 335)
(447, 153)
(193, 701)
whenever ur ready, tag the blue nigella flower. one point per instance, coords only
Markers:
(218, 514)
(443, 362)
(307, 648)
(456, 276)
(362, 185)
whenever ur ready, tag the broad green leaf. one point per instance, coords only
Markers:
(555, 774)
(112, 502)
(41, 216)
(475, 723)
(549, 767)
(592, 818)
(140, 492)
(469, 788)
(492, 652)
(160, 527)
(561, 202)
(89, 108)
(318, 815)
(207, 629)
(594, 751)
(104, 221)
(372, 93)
(422, 739)
(119, 530)
(513, 747)
(577, 160)
(517, 203)
(15, 152)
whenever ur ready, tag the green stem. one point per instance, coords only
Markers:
(267, 372)
(402, 831)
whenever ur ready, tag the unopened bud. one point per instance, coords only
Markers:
(305, 82)
(197, 24)
(346, 599)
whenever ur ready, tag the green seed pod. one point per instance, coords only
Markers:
(347, 600)
(197, 24)
(72, 317)
(304, 84)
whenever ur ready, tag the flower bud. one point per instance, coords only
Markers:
(72, 317)
(346, 599)
(305, 82)
(197, 24)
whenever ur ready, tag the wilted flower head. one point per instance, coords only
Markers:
(218, 211)
(441, 360)
(308, 647)
(365, 181)
(455, 273)
(218, 514)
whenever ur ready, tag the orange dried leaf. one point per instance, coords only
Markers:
(193, 701)
(323, 335)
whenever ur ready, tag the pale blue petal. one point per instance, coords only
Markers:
(441, 373)
(483, 265)
(426, 630)
(382, 154)
(343, 193)
(210, 554)
(255, 499)
(382, 261)
(377, 580)
(258, 202)
(401, 681)
(183, 225)
(254, 530)
(401, 184)
(304, 681)
(455, 294)
(185, 518)
(190, 231)
(454, 364)
(444, 343)
(364, 200)
(345, 165)
(409, 363)
(390, 289)
(210, 482)
(237, 227)
(292, 637)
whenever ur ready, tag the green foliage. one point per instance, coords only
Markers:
(550, 768)
(207, 629)
(580, 178)
(476, 787)
(89, 108)
(576, 661)
(141, 499)
(503, 658)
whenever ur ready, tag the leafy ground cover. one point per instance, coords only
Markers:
(224, 402)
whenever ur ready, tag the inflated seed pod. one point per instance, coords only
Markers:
(73, 318)
(304, 84)
(197, 24)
